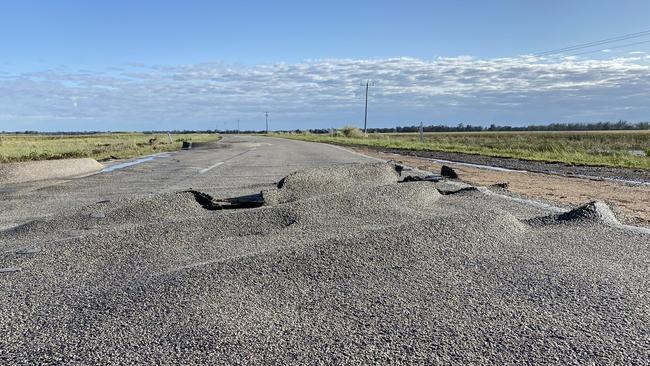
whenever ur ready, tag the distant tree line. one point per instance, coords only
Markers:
(173, 132)
(598, 126)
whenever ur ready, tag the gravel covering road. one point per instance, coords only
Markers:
(343, 264)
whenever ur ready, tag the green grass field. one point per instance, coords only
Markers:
(24, 147)
(608, 148)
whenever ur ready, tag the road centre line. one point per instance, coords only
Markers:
(223, 162)
(210, 167)
(127, 164)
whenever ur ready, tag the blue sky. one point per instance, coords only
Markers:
(134, 65)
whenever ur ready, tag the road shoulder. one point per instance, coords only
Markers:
(630, 202)
(30, 171)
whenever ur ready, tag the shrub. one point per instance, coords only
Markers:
(351, 132)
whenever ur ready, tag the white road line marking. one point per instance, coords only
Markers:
(127, 164)
(210, 167)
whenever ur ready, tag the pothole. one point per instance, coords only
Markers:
(417, 178)
(209, 203)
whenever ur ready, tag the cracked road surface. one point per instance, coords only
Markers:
(342, 264)
(234, 166)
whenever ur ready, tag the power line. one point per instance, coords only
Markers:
(594, 43)
(611, 48)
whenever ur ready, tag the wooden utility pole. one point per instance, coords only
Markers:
(365, 116)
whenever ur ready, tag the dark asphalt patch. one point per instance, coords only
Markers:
(459, 191)
(204, 199)
(448, 172)
(417, 178)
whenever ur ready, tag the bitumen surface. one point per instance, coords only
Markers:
(267, 251)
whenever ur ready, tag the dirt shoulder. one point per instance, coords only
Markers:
(631, 202)
(557, 168)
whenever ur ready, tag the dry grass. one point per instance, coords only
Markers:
(24, 147)
(608, 148)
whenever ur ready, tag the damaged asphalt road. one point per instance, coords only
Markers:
(337, 264)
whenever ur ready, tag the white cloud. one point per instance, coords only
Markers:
(524, 89)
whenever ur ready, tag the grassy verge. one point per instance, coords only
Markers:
(600, 148)
(25, 147)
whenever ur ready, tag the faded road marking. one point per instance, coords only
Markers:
(133, 162)
(210, 167)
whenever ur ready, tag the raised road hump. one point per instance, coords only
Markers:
(337, 178)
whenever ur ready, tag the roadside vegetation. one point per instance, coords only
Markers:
(630, 149)
(25, 147)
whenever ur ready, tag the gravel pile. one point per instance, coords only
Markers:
(594, 212)
(336, 178)
(341, 265)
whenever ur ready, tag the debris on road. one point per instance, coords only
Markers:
(448, 172)
(343, 262)
(502, 185)
(627, 198)
(417, 178)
